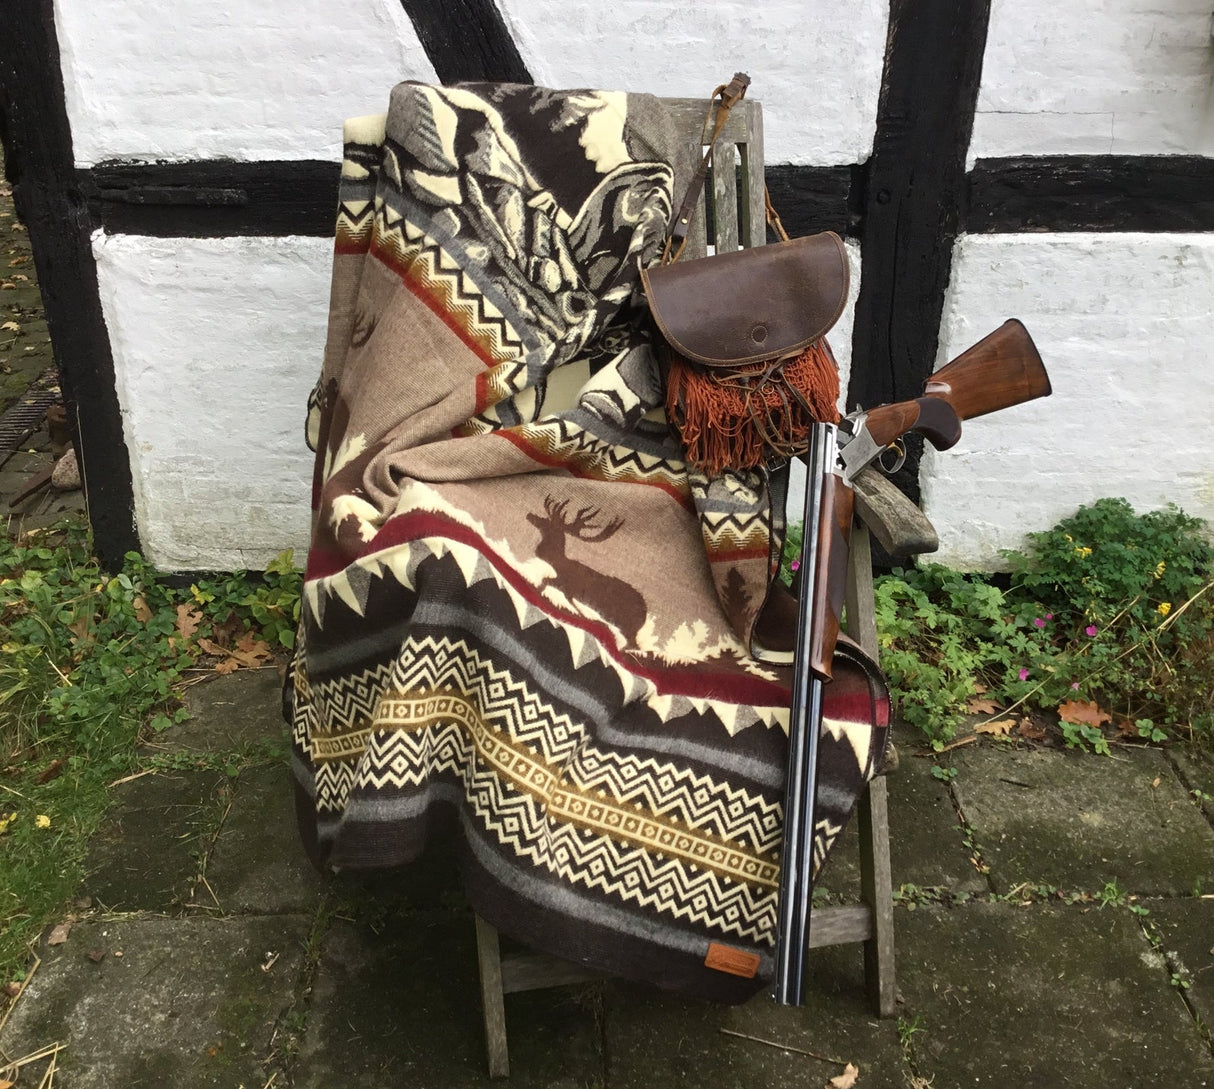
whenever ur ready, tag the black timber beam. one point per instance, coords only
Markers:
(467, 41)
(914, 195)
(214, 198)
(1092, 193)
(47, 194)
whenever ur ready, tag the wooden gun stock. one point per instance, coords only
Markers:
(1003, 369)
(834, 542)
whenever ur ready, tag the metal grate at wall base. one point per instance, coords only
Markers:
(25, 417)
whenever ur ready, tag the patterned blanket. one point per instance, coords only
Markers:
(519, 608)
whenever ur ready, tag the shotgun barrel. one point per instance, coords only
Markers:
(804, 725)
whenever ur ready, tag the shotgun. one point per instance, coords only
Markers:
(1001, 370)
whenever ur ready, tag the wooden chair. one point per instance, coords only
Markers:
(738, 219)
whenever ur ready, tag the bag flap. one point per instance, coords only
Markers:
(766, 302)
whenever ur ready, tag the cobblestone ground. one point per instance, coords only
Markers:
(25, 357)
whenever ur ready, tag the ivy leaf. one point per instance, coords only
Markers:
(1083, 714)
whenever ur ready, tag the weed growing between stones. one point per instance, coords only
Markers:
(90, 664)
(1106, 621)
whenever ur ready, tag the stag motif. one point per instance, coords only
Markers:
(618, 603)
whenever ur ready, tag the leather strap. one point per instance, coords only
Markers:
(730, 94)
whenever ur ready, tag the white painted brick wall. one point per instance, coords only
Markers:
(1125, 325)
(817, 68)
(269, 79)
(1127, 77)
(217, 343)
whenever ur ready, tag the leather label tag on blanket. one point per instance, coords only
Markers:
(737, 962)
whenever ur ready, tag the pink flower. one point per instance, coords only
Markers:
(1090, 629)
(1075, 685)
(1038, 622)
(1049, 616)
(795, 565)
(1024, 674)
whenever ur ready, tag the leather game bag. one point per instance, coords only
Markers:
(748, 366)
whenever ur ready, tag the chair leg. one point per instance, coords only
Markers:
(493, 1006)
(876, 888)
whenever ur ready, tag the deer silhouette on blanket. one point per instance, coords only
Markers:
(608, 597)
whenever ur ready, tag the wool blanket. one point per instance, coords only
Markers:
(520, 608)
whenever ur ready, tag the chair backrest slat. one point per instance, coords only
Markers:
(736, 188)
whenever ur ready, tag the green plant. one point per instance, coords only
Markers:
(1134, 620)
(945, 775)
(1106, 617)
(89, 661)
(908, 1030)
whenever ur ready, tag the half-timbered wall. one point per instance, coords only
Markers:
(984, 158)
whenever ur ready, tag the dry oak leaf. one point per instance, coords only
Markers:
(1000, 728)
(11, 326)
(847, 1079)
(211, 647)
(58, 934)
(1083, 714)
(1031, 731)
(188, 619)
(143, 612)
(981, 707)
(250, 651)
(228, 665)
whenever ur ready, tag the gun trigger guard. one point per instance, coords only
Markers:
(899, 452)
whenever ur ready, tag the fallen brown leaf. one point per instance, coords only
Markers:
(58, 934)
(1031, 731)
(188, 619)
(211, 647)
(96, 955)
(847, 1079)
(52, 771)
(143, 612)
(981, 707)
(11, 326)
(1083, 714)
(12, 989)
(1000, 728)
(252, 651)
(228, 665)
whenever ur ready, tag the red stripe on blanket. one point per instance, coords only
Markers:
(434, 301)
(669, 680)
(534, 452)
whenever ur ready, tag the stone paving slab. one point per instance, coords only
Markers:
(1077, 821)
(187, 1004)
(926, 835)
(1186, 934)
(398, 1006)
(229, 713)
(149, 851)
(1040, 996)
(257, 863)
(655, 1040)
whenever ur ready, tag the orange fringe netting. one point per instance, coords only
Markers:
(736, 418)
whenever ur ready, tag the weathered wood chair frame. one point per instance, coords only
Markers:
(738, 218)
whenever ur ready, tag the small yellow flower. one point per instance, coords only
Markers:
(1160, 568)
(5, 820)
(1163, 608)
(1082, 550)
(42, 821)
